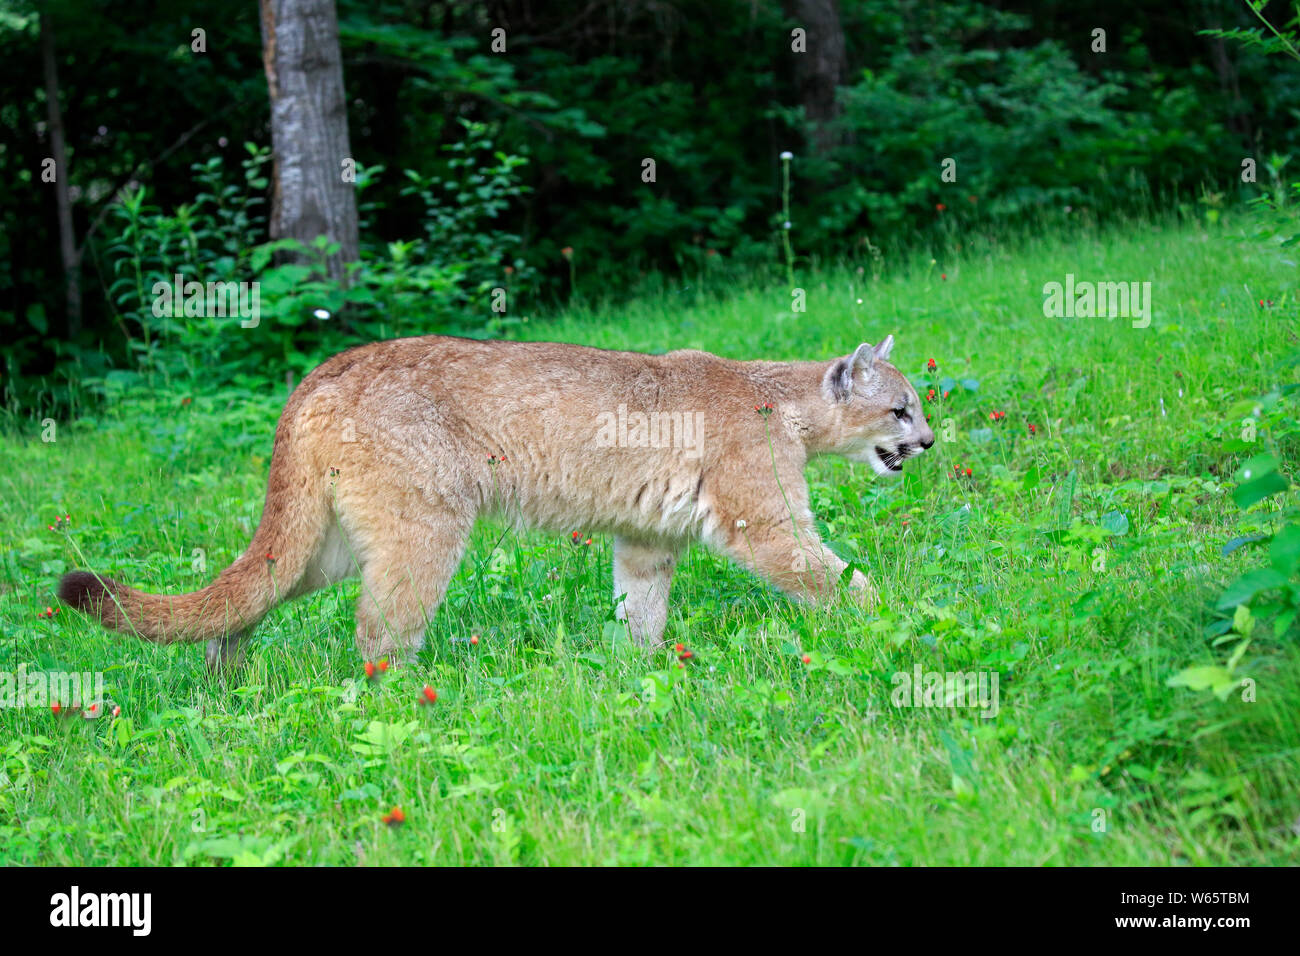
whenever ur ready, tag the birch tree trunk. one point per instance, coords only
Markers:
(312, 195)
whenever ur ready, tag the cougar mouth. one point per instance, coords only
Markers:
(891, 459)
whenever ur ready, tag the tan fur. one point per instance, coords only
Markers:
(386, 455)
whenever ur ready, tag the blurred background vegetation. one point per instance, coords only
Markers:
(523, 169)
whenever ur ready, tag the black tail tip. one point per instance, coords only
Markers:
(83, 590)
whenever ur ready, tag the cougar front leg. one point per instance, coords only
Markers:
(644, 573)
(797, 563)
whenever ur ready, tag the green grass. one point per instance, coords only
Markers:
(554, 742)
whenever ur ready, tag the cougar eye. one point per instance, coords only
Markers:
(900, 413)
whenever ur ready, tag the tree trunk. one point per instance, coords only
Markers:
(309, 127)
(58, 146)
(818, 71)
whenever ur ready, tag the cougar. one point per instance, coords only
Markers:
(386, 455)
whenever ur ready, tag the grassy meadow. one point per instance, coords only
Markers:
(1080, 561)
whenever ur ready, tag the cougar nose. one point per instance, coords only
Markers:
(928, 444)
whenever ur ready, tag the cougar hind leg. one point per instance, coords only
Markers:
(404, 578)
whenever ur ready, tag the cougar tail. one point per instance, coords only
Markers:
(294, 522)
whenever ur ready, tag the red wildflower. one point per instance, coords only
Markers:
(473, 638)
(806, 659)
(1033, 429)
(394, 817)
(940, 206)
(567, 252)
(931, 365)
(943, 276)
(428, 695)
(967, 472)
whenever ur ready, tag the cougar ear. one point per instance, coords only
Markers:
(884, 348)
(838, 383)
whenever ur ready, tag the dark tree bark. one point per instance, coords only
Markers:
(818, 71)
(59, 149)
(309, 127)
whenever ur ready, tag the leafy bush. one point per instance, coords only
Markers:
(434, 283)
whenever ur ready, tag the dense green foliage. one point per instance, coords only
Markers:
(1085, 563)
(1044, 132)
